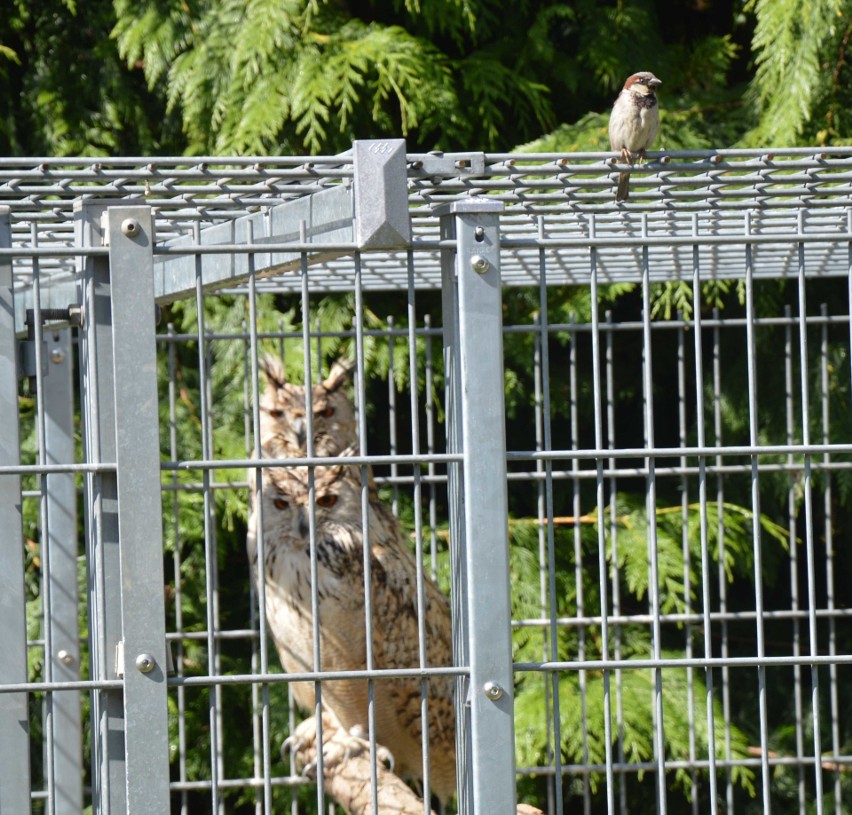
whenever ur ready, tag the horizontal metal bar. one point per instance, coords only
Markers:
(680, 619)
(683, 663)
(241, 679)
(624, 768)
(241, 783)
(683, 452)
(46, 469)
(316, 461)
(699, 239)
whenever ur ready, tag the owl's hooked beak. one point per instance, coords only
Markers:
(304, 525)
(300, 429)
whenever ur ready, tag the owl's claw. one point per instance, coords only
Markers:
(338, 746)
(383, 755)
(292, 744)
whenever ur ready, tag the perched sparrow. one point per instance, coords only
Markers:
(634, 122)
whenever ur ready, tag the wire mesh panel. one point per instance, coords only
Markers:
(486, 483)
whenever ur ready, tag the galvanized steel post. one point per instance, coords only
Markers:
(14, 713)
(103, 569)
(61, 539)
(130, 236)
(473, 344)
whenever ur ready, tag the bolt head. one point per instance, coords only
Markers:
(493, 691)
(145, 663)
(479, 264)
(57, 355)
(65, 657)
(130, 227)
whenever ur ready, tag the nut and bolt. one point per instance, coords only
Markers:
(65, 657)
(479, 264)
(145, 663)
(130, 227)
(493, 691)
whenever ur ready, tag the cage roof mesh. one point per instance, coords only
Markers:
(560, 216)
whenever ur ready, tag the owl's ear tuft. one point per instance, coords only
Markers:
(273, 371)
(340, 374)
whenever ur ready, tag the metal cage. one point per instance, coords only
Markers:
(638, 511)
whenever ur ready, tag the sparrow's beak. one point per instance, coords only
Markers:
(653, 83)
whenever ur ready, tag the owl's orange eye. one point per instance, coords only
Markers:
(279, 503)
(327, 413)
(326, 500)
(276, 414)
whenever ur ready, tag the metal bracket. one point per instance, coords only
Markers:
(438, 165)
(119, 660)
(26, 362)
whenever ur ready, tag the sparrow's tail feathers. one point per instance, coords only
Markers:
(623, 191)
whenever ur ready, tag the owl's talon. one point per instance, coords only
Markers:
(292, 744)
(383, 755)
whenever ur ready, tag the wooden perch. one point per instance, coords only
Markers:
(346, 771)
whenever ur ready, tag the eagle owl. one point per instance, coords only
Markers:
(283, 413)
(340, 590)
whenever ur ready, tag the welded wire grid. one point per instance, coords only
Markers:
(598, 431)
(563, 203)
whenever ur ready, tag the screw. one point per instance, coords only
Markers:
(130, 227)
(479, 264)
(57, 355)
(65, 657)
(145, 663)
(493, 691)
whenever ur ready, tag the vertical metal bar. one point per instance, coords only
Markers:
(616, 586)
(455, 493)
(61, 540)
(211, 532)
(552, 639)
(101, 514)
(578, 555)
(250, 390)
(601, 506)
(544, 523)
(360, 392)
(264, 760)
(14, 714)
(177, 567)
(687, 563)
(754, 440)
(418, 526)
(829, 565)
(809, 521)
(312, 516)
(651, 509)
(44, 522)
(702, 502)
(430, 448)
(474, 338)
(792, 491)
(392, 430)
(137, 434)
(720, 538)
